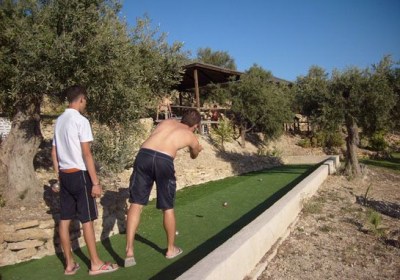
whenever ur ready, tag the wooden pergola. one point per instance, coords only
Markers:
(199, 75)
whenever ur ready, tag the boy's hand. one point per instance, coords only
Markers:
(96, 191)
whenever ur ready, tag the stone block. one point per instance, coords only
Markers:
(6, 228)
(26, 253)
(24, 245)
(49, 247)
(41, 252)
(47, 224)
(27, 234)
(8, 257)
(3, 247)
(27, 224)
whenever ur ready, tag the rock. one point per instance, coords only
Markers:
(6, 228)
(7, 257)
(2, 247)
(27, 234)
(27, 224)
(47, 224)
(26, 253)
(24, 245)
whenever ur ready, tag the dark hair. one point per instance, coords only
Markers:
(191, 117)
(74, 92)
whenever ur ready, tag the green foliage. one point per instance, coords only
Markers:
(392, 163)
(49, 45)
(375, 219)
(22, 195)
(304, 143)
(223, 132)
(115, 148)
(2, 201)
(328, 139)
(217, 58)
(274, 152)
(366, 194)
(377, 142)
(354, 97)
(257, 102)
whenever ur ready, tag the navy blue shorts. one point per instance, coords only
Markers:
(75, 197)
(151, 166)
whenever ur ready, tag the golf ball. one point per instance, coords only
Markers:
(177, 233)
(225, 204)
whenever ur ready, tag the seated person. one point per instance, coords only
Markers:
(164, 108)
(215, 116)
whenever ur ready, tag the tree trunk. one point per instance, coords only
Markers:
(243, 134)
(18, 182)
(352, 141)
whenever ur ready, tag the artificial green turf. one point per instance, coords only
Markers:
(391, 163)
(203, 225)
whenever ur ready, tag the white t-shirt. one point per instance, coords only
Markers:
(70, 130)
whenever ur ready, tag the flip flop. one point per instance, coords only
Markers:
(105, 268)
(129, 261)
(180, 251)
(73, 270)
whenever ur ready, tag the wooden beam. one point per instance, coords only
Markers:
(196, 86)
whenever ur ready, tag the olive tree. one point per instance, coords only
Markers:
(47, 46)
(356, 98)
(257, 102)
(217, 58)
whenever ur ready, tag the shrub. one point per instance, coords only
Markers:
(269, 153)
(327, 139)
(115, 147)
(305, 143)
(377, 142)
(223, 132)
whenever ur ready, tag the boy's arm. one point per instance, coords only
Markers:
(54, 158)
(87, 156)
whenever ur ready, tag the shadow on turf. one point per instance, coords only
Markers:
(184, 263)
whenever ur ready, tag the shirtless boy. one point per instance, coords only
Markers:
(155, 163)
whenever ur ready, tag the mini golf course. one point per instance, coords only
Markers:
(203, 223)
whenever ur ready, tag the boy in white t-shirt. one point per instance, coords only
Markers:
(79, 185)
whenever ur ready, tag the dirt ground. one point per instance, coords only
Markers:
(335, 236)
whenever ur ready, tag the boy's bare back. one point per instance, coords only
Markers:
(170, 136)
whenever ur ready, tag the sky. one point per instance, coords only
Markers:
(285, 37)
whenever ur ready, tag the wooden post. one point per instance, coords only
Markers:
(196, 88)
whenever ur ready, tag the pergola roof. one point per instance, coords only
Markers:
(206, 74)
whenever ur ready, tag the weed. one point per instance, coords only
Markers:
(325, 228)
(22, 194)
(2, 201)
(366, 194)
(375, 219)
(269, 153)
(312, 207)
